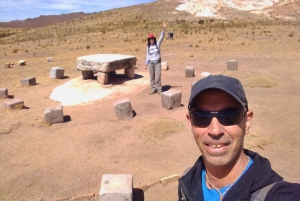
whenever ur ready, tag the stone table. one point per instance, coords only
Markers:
(104, 64)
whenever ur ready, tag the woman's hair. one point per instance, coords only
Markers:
(150, 43)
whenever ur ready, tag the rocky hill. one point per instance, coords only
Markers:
(42, 20)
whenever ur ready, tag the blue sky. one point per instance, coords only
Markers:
(23, 9)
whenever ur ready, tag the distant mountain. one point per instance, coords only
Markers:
(42, 20)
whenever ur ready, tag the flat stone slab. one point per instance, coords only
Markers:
(105, 62)
(13, 103)
(116, 187)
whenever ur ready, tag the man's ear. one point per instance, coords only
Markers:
(248, 120)
(188, 117)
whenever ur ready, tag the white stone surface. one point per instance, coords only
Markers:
(78, 91)
(105, 62)
(205, 74)
(116, 187)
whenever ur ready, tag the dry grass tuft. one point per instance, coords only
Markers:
(260, 82)
(160, 128)
(5, 130)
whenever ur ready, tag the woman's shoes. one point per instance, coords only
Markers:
(152, 92)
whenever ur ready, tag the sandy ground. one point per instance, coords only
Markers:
(67, 160)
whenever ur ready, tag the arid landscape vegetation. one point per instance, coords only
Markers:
(66, 161)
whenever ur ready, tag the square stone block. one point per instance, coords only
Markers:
(164, 66)
(28, 81)
(193, 83)
(129, 72)
(102, 77)
(232, 65)
(50, 59)
(13, 103)
(87, 74)
(7, 65)
(54, 114)
(57, 73)
(171, 99)
(123, 109)
(189, 71)
(3, 93)
(116, 187)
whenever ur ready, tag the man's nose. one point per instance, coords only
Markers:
(215, 128)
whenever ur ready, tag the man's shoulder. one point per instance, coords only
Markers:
(284, 190)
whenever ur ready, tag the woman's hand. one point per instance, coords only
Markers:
(146, 67)
(164, 25)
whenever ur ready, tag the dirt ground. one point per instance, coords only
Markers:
(66, 161)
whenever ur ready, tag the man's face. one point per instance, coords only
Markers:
(220, 145)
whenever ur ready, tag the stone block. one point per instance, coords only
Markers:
(87, 74)
(193, 83)
(3, 93)
(205, 74)
(14, 103)
(189, 71)
(57, 73)
(28, 81)
(116, 187)
(50, 59)
(102, 78)
(232, 65)
(22, 62)
(7, 65)
(105, 62)
(171, 99)
(54, 114)
(123, 109)
(129, 72)
(164, 66)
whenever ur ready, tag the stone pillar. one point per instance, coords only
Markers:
(3, 93)
(87, 74)
(171, 99)
(189, 71)
(29, 81)
(22, 62)
(50, 59)
(232, 65)
(14, 103)
(102, 78)
(205, 74)
(116, 187)
(57, 73)
(193, 83)
(7, 65)
(54, 114)
(164, 66)
(129, 72)
(123, 109)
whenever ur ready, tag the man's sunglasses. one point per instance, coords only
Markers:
(226, 117)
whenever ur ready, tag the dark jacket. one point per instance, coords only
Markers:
(256, 177)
